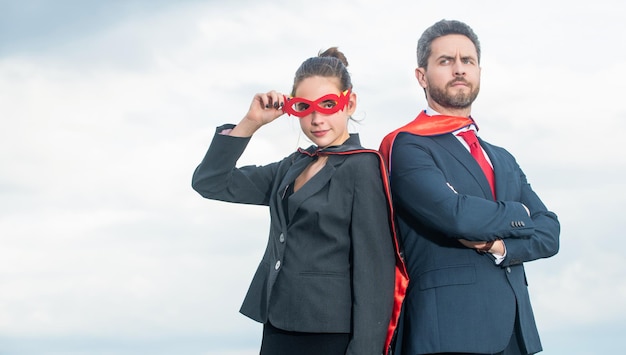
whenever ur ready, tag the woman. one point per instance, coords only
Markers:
(326, 282)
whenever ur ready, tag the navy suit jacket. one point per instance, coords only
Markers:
(459, 300)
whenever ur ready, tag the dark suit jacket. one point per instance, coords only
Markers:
(458, 299)
(329, 263)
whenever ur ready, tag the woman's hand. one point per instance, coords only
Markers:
(265, 108)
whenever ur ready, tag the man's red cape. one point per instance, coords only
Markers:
(423, 125)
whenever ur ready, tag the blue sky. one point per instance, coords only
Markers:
(107, 107)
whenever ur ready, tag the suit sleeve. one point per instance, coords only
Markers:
(544, 242)
(422, 192)
(217, 178)
(373, 259)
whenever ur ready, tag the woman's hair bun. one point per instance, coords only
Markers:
(336, 53)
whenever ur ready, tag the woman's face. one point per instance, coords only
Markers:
(325, 130)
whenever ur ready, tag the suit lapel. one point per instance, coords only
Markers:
(463, 156)
(316, 183)
(290, 176)
(311, 187)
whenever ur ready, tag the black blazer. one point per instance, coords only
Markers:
(329, 263)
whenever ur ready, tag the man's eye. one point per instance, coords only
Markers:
(300, 106)
(328, 104)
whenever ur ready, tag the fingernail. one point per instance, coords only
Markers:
(275, 105)
(267, 106)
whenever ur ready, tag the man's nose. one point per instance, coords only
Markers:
(459, 69)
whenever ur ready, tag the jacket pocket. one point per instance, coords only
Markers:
(447, 276)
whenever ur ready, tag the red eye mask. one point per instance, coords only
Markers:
(327, 104)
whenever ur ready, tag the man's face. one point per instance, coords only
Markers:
(452, 78)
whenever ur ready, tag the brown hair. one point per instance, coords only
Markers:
(440, 29)
(329, 63)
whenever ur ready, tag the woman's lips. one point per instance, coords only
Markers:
(320, 133)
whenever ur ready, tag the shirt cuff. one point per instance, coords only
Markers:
(500, 258)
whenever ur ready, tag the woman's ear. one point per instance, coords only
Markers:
(351, 104)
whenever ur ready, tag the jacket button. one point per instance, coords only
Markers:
(281, 238)
(277, 266)
(522, 223)
(508, 269)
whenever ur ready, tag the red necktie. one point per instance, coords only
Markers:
(470, 137)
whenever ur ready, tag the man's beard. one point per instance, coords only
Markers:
(457, 101)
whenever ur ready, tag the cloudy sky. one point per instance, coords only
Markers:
(106, 107)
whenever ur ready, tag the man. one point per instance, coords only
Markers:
(466, 231)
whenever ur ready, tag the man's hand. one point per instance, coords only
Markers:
(496, 248)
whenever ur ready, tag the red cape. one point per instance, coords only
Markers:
(423, 125)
